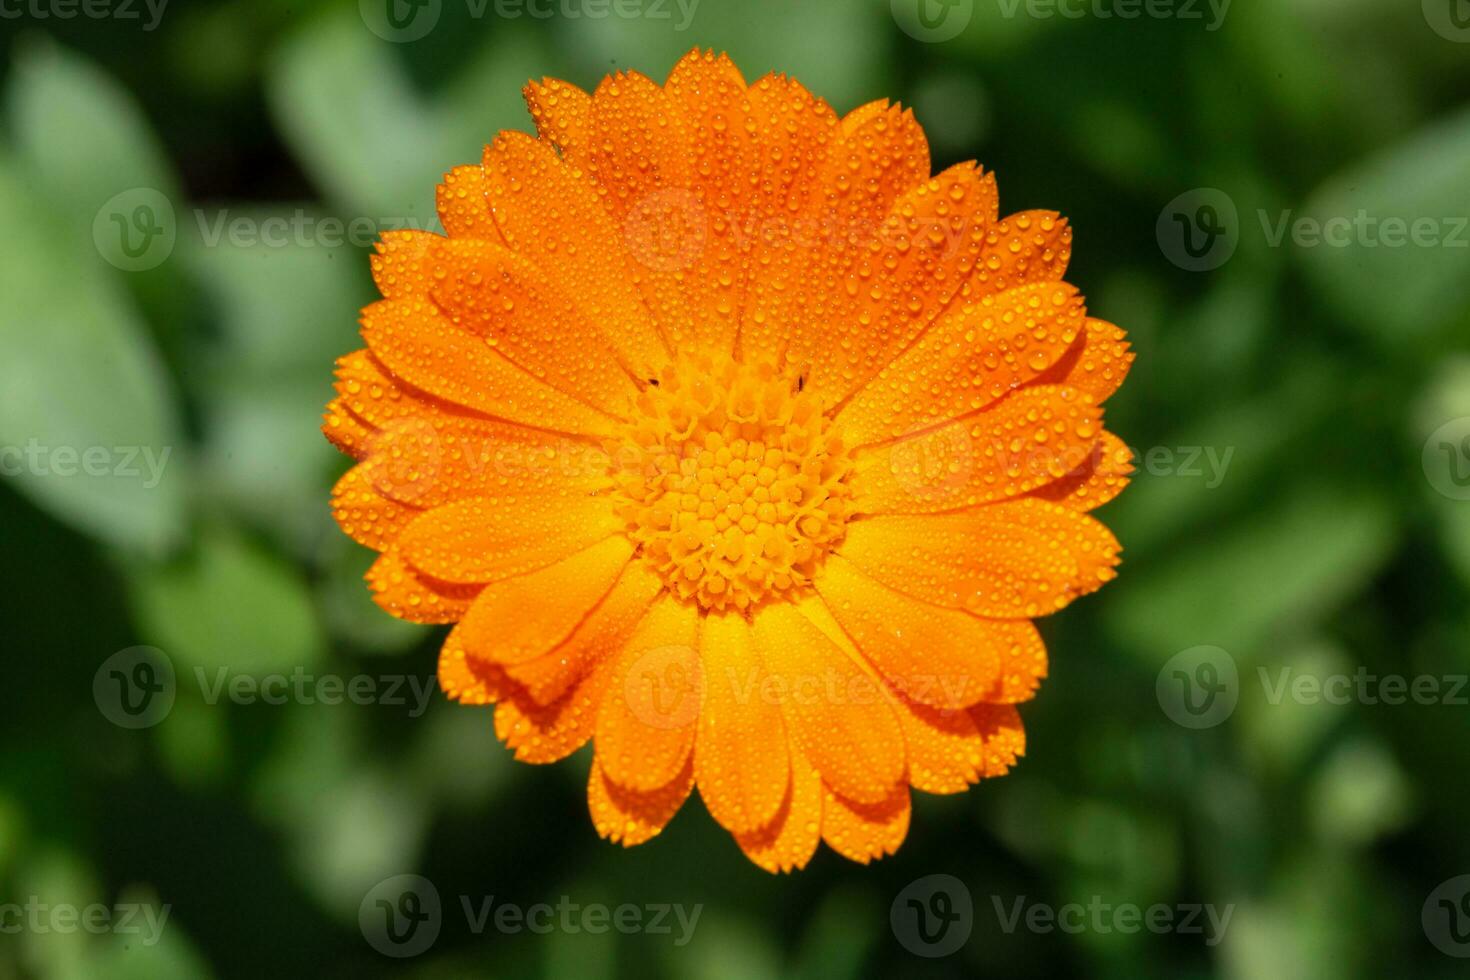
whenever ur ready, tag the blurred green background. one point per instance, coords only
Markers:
(1328, 382)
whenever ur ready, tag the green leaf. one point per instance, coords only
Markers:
(285, 284)
(485, 97)
(348, 110)
(1233, 451)
(88, 423)
(1441, 423)
(347, 820)
(348, 606)
(82, 135)
(125, 957)
(1359, 794)
(226, 605)
(726, 947)
(1282, 567)
(1398, 287)
(760, 36)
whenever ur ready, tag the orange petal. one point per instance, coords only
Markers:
(543, 734)
(552, 218)
(876, 154)
(368, 517)
(405, 593)
(792, 130)
(402, 260)
(837, 712)
(944, 749)
(638, 145)
(417, 343)
(464, 205)
(939, 657)
(646, 727)
(905, 271)
(1027, 440)
(345, 430)
(486, 539)
(863, 831)
(1023, 661)
(1005, 738)
(1096, 481)
(433, 459)
(973, 356)
(1022, 558)
(375, 396)
(1097, 364)
(791, 838)
(486, 289)
(881, 153)
(562, 112)
(639, 155)
(597, 640)
(468, 681)
(524, 617)
(629, 817)
(724, 170)
(1029, 247)
(741, 761)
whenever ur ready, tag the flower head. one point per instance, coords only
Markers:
(737, 444)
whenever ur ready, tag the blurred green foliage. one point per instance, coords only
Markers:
(1325, 545)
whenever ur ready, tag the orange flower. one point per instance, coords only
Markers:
(738, 445)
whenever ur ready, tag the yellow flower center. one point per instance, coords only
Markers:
(731, 481)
